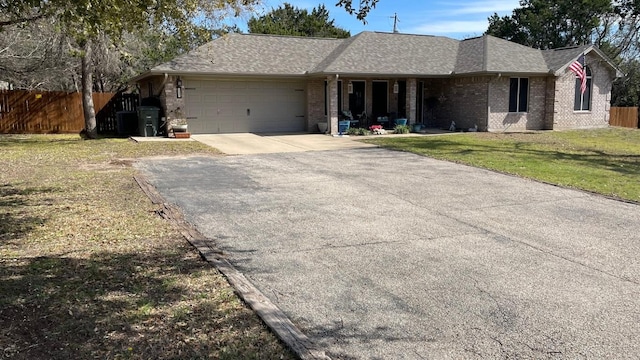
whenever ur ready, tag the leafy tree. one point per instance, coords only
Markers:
(626, 90)
(613, 26)
(547, 24)
(88, 23)
(289, 20)
(361, 11)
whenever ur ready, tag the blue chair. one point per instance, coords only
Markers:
(343, 126)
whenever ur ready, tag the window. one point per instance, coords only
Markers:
(582, 101)
(518, 95)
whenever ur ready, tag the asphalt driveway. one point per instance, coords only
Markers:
(249, 143)
(377, 254)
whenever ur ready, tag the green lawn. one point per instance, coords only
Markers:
(88, 270)
(605, 161)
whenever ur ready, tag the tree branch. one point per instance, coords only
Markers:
(21, 20)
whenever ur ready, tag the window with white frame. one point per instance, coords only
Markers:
(518, 94)
(582, 100)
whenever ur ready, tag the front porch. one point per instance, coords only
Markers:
(377, 101)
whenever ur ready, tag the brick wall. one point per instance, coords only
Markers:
(465, 103)
(315, 104)
(412, 106)
(500, 119)
(564, 115)
(153, 84)
(171, 102)
(549, 103)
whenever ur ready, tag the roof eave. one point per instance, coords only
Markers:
(215, 74)
(381, 74)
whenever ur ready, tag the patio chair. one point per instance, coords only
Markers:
(343, 126)
(346, 115)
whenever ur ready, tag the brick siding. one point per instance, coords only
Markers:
(315, 104)
(469, 101)
(564, 115)
(465, 102)
(500, 119)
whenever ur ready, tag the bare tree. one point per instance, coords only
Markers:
(36, 56)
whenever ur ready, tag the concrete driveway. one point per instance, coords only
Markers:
(249, 143)
(377, 254)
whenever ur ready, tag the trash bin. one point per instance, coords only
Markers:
(148, 120)
(127, 123)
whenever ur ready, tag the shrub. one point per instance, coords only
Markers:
(358, 131)
(402, 129)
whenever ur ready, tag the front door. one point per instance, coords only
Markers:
(357, 98)
(380, 97)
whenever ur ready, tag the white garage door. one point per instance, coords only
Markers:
(244, 106)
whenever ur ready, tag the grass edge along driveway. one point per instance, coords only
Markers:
(89, 270)
(603, 161)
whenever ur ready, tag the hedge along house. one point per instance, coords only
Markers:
(266, 83)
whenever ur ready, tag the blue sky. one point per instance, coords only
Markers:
(453, 18)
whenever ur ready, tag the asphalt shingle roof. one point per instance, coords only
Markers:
(509, 57)
(470, 57)
(254, 55)
(558, 58)
(388, 54)
(368, 53)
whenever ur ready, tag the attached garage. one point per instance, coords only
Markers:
(233, 106)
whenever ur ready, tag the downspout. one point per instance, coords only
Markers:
(164, 83)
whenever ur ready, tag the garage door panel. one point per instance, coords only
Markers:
(221, 106)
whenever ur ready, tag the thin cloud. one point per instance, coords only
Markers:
(482, 7)
(451, 27)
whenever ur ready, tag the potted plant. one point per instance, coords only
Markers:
(178, 121)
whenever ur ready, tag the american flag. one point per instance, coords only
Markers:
(578, 68)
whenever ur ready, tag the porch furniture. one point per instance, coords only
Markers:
(383, 120)
(343, 126)
(346, 115)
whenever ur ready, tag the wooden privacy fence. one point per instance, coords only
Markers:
(59, 112)
(624, 116)
(107, 117)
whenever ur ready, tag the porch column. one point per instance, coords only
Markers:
(332, 104)
(412, 98)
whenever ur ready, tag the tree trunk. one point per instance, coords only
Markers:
(90, 127)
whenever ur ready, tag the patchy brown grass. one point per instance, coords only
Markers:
(88, 270)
